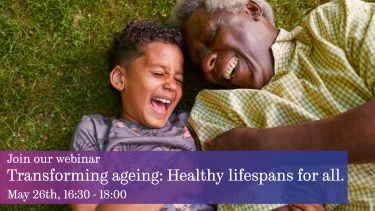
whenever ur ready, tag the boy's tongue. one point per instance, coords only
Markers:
(158, 106)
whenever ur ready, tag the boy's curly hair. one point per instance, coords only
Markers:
(128, 44)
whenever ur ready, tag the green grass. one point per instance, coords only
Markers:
(53, 66)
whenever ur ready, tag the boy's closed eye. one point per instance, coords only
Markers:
(157, 72)
(179, 79)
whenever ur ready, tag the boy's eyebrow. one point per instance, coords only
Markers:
(180, 72)
(157, 65)
(165, 68)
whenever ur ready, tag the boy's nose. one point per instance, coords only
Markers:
(171, 84)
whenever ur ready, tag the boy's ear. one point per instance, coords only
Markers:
(254, 10)
(117, 78)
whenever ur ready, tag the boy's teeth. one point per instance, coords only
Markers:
(165, 101)
(232, 65)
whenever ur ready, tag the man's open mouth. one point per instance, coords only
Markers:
(160, 104)
(232, 64)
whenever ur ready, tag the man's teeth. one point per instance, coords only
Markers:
(165, 101)
(232, 64)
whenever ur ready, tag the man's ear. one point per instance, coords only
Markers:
(117, 78)
(254, 10)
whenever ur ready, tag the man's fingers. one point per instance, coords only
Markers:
(209, 144)
(307, 207)
(295, 208)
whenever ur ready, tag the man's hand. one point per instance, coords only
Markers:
(235, 139)
(352, 131)
(307, 207)
(301, 207)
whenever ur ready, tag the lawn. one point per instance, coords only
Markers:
(53, 66)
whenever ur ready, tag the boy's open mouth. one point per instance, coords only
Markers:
(160, 105)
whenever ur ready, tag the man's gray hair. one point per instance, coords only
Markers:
(185, 8)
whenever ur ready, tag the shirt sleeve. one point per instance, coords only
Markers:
(217, 111)
(358, 31)
(209, 116)
(347, 27)
(85, 137)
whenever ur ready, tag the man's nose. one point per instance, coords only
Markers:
(209, 61)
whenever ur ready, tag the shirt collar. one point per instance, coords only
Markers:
(283, 50)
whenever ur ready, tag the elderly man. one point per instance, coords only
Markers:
(309, 89)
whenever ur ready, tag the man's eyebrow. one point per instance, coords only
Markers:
(213, 32)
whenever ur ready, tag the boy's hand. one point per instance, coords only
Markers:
(307, 207)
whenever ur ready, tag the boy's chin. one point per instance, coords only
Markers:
(156, 123)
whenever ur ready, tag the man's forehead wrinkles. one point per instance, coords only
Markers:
(203, 22)
(199, 31)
